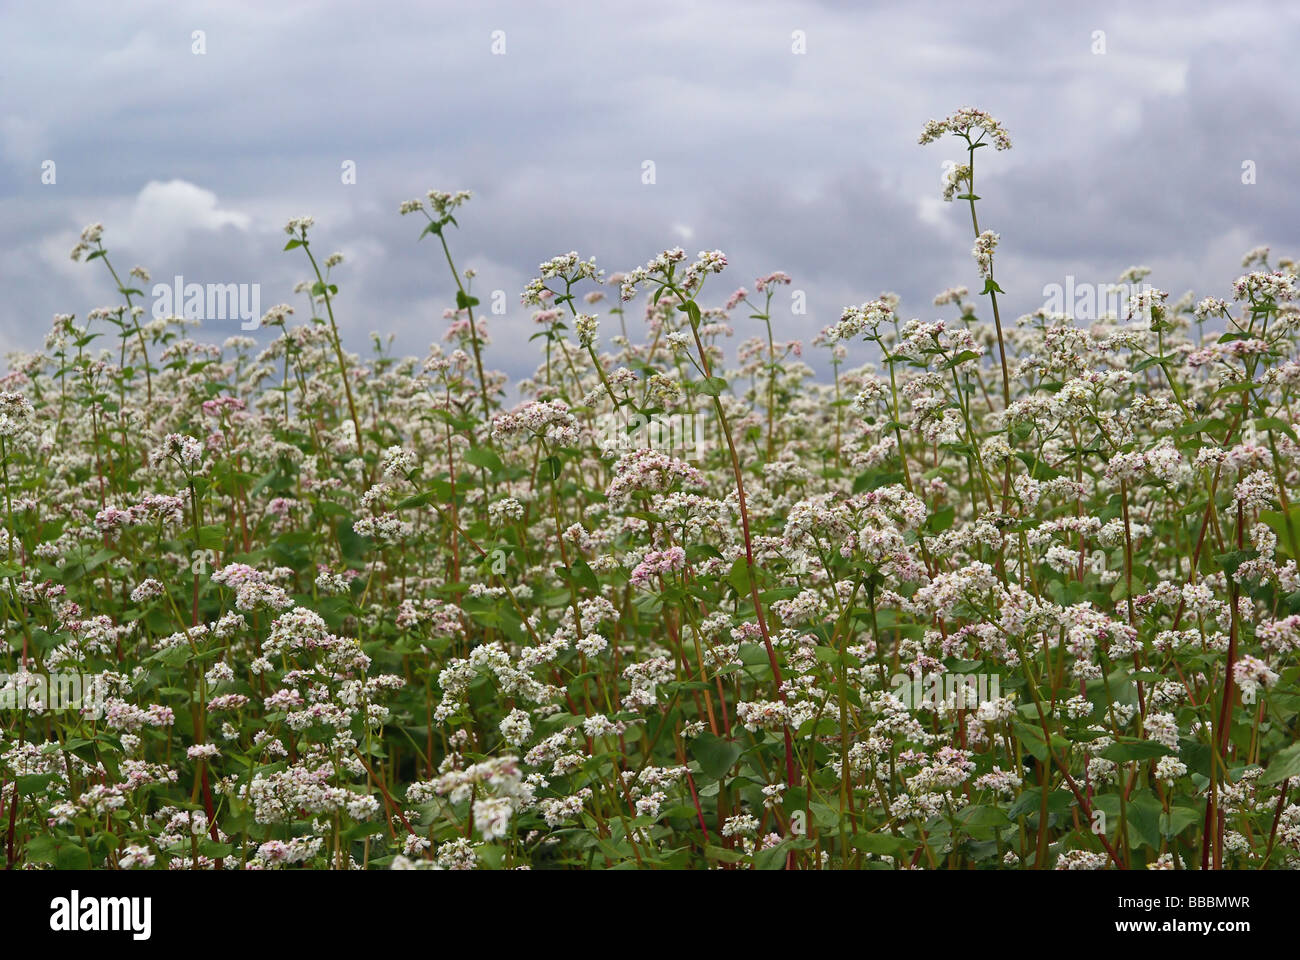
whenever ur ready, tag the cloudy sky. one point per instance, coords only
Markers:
(800, 161)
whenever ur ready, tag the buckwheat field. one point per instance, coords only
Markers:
(1004, 593)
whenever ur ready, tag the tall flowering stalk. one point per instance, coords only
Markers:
(976, 129)
(662, 274)
(297, 229)
(91, 246)
(443, 205)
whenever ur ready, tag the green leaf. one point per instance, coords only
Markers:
(875, 479)
(1144, 812)
(881, 844)
(1178, 819)
(483, 457)
(1030, 801)
(739, 577)
(773, 858)
(72, 857)
(419, 500)
(1229, 562)
(715, 755)
(1265, 424)
(41, 849)
(210, 848)
(723, 855)
(353, 544)
(713, 386)
(580, 574)
(1122, 751)
(212, 536)
(1148, 362)
(940, 520)
(983, 819)
(960, 359)
(97, 558)
(33, 783)
(1277, 521)
(1284, 765)
(1031, 738)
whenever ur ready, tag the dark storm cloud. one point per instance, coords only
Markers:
(806, 163)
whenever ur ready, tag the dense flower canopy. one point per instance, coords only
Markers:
(993, 595)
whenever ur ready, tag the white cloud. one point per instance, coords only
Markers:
(179, 206)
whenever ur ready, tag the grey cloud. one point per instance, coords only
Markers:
(803, 163)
